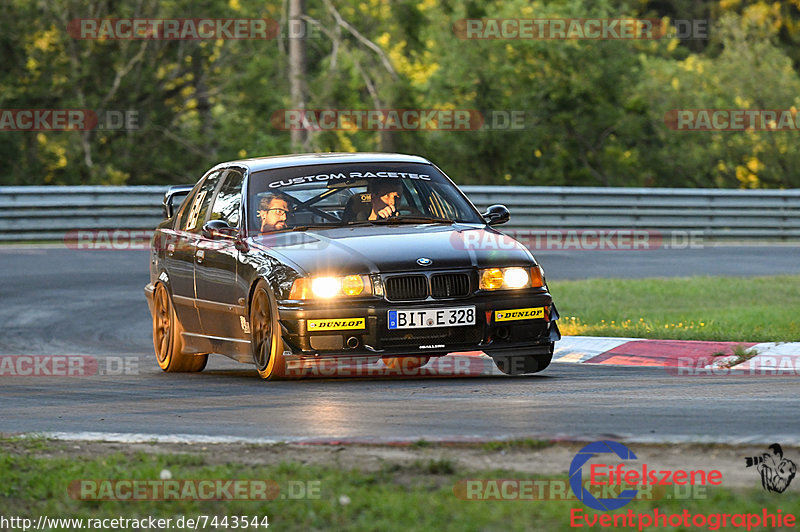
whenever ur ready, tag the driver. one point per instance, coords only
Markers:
(273, 210)
(384, 200)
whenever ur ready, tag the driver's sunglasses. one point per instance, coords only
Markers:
(279, 211)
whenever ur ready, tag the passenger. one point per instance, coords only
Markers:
(382, 201)
(273, 210)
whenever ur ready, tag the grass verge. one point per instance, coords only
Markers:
(738, 309)
(418, 496)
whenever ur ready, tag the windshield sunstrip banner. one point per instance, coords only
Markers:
(330, 174)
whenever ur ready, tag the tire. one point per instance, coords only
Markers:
(266, 343)
(167, 338)
(523, 364)
(406, 363)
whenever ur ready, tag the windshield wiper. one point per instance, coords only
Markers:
(413, 220)
(306, 227)
(401, 220)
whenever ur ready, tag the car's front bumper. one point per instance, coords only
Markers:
(373, 337)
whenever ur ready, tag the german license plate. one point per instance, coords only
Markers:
(428, 318)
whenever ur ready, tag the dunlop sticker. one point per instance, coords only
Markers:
(337, 324)
(519, 314)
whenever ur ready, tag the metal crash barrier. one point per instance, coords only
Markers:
(41, 213)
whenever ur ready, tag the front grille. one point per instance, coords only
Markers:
(407, 288)
(450, 285)
(449, 336)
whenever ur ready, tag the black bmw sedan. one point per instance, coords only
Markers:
(372, 256)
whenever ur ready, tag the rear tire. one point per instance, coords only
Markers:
(266, 342)
(167, 338)
(523, 364)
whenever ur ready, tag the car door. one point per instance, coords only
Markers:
(180, 253)
(218, 298)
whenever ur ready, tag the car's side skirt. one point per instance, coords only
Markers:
(238, 310)
(183, 301)
(234, 348)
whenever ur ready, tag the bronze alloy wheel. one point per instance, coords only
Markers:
(167, 339)
(266, 342)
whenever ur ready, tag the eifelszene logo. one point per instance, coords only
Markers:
(576, 475)
(619, 475)
(776, 471)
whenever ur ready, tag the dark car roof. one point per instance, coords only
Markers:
(256, 164)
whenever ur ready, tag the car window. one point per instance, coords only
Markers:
(196, 213)
(185, 207)
(229, 198)
(341, 194)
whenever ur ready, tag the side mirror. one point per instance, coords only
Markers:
(215, 229)
(496, 215)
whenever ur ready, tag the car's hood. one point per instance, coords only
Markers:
(396, 248)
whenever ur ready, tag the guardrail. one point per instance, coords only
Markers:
(716, 213)
(40, 213)
(50, 213)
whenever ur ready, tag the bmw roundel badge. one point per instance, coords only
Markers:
(424, 261)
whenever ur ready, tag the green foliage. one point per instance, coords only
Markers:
(593, 109)
(750, 72)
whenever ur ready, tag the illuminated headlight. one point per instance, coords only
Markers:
(326, 287)
(516, 278)
(511, 278)
(330, 287)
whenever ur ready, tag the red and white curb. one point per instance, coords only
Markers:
(678, 357)
(783, 357)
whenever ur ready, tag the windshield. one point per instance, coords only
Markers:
(354, 194)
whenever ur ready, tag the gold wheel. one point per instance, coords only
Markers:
(167, 338)
(266, 342)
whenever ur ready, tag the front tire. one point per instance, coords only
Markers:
(523, 364)
(266, 342)
(167, 338)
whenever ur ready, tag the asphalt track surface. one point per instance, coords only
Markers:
(72, 302)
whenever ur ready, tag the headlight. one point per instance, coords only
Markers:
(330, 287)
(326, 287)
(511, 278)
(516, 278)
